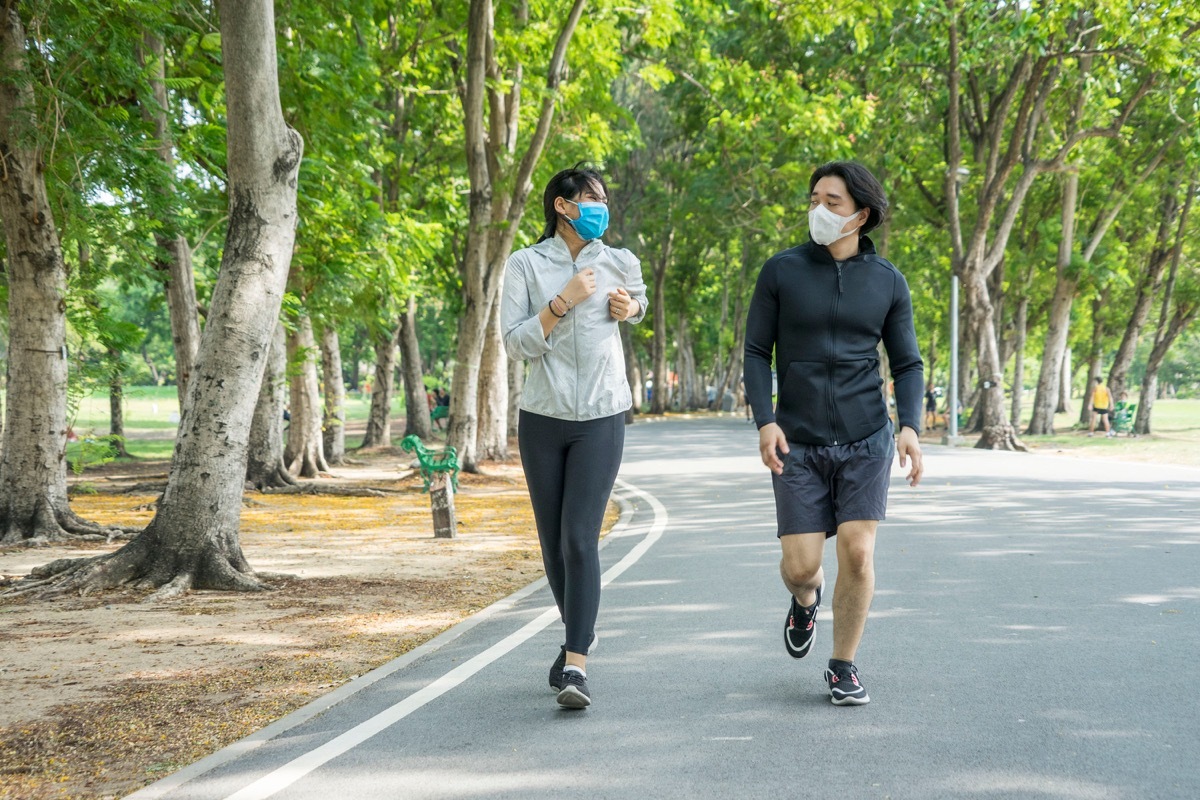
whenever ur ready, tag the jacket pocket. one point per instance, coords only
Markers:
(858, 393)
(803, 408)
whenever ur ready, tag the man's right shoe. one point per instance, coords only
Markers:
(556, 669)
(801, 627)
(845, 689)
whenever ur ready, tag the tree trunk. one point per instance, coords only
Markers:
(633, 373)
(1059, 328)
(494, 214)
(33, 469)
(265, 467)
(175, 254)
(193, 540)
(516, 385)
(661, 388)
(1020, 330)
(116, 405)
(304, 453)
(379, 420)
(1064, 384)
(1149, 284)
(491, 442)
(333, 426)
(998, 434)
(416, 407)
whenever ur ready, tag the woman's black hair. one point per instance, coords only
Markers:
(865, 189)
(568, 184)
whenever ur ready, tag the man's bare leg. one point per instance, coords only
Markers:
(855, 585)
(800, 566)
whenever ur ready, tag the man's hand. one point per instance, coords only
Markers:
(772, 442)
(908, 446)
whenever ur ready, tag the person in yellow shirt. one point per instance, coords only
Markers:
(1102, 406)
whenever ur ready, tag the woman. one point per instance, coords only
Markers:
(563, 298)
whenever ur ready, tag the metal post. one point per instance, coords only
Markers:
(952, 411)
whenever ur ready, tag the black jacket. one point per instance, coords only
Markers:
(823, 324)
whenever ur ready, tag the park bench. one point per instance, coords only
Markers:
(439, 412)
(432, 461)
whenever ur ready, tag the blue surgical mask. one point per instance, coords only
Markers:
(592, 222)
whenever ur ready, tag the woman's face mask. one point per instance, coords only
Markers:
(826, 226)
(592, 222)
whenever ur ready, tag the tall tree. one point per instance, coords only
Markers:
(33, 478)
(193, 541)
(499, 188)
(265, 467)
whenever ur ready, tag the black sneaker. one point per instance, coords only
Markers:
(801, 627)
(845, 689)
(557, 667)
(574, 692)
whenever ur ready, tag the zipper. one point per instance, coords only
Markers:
(575, 345)
(830, 401)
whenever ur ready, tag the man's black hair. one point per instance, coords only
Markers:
(865, 189)
(568, 184)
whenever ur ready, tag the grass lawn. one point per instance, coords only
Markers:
(1175, 436)
(151, 415)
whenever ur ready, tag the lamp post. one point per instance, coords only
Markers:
(960, 175)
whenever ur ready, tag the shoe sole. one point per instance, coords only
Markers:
(571, 697)
(851, 701)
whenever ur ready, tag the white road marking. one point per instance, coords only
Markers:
(297, 768)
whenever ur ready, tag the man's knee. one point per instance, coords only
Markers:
(798, 571)
(856, 547)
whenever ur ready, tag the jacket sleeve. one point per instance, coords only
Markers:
(519, 322)
(762, 325)
(635, 285)
(908, 370)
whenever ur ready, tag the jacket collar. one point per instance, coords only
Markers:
(555, 248)
(865, 248)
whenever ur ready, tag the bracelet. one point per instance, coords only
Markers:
(564, 301)
(550, 306)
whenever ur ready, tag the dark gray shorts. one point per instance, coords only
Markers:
(823, 486)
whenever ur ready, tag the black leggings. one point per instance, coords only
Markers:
(570, 468)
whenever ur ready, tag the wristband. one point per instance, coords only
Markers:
(550, 306)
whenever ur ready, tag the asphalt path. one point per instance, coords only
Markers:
(1034, 635)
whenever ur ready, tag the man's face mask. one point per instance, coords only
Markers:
(826, 226)
(592, 222)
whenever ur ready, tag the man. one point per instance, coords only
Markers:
(1102, 406)
(821, 309)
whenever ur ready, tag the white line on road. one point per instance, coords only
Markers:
(297, 768)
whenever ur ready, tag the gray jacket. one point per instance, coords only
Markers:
(578, 372)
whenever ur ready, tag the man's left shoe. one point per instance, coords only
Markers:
(801, 626)
(845, 689)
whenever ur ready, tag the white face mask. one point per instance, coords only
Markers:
(826, 226)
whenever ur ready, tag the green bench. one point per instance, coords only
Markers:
(1123, 416)
(432, 461)
(439, 412)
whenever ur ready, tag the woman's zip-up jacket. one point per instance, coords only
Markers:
(578, 372)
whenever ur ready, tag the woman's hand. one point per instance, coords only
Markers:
(580, 288)
(621, 306)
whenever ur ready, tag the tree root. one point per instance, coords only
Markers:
(1000, 437)
(339, 491)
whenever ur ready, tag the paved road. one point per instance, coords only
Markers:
(1034, 635)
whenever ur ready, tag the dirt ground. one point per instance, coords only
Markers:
(104, 694)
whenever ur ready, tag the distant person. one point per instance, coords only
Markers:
(819, 311)
(563, 298)
(441, 408)
(931, 397)
(1102, 406)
